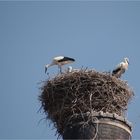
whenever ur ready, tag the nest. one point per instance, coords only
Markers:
(82, 91)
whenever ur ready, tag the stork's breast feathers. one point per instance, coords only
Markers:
(125, 66)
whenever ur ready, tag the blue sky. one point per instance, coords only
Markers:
(97, 34)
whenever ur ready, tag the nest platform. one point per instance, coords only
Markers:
(82, 91)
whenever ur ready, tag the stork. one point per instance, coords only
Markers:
(69, 69)
(121, 68)
(60, 61)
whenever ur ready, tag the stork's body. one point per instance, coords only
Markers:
(121, 68)
(60, 61)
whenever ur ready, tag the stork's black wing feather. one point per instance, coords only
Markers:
(116, 70)
(66, 59)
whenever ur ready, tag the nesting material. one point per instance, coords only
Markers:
(83, 91)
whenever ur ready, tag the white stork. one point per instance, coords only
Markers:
(60, 61)
(121, 68)
(69, 69)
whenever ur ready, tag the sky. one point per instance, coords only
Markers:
(97, 34)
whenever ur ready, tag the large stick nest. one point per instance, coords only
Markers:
(82, 91)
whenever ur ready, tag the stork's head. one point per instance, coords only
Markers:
(126, 60)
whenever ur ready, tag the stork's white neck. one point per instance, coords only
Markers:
(126, 62)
